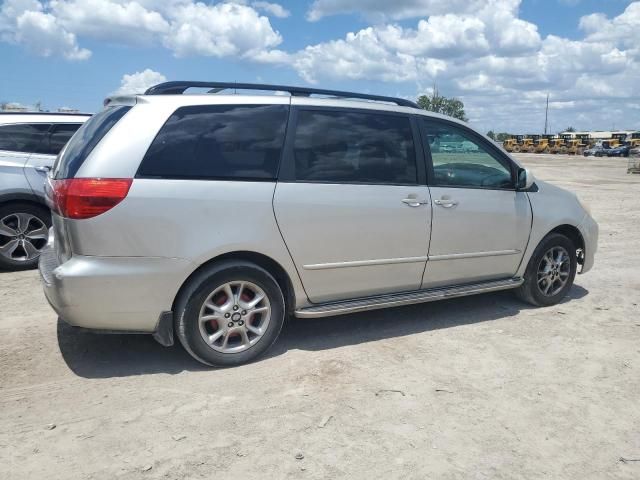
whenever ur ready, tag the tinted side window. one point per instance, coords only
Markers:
(460, 160)
(58, 137)
(218, 142)
(354, 147)
(82, 144)
(22, 137)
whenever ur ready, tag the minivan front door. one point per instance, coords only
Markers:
(350, 203)
(481, 224)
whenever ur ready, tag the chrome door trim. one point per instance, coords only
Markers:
(364, 263)
(406, 298)
(455, 256)
(391, 261)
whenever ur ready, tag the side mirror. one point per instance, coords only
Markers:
(525, 179)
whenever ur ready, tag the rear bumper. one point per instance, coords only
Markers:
(111, 293)
(589, 230)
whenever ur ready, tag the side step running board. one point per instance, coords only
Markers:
(406, 298)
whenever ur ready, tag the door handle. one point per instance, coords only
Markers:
(446, 202)
(43, 169)
(413, 202)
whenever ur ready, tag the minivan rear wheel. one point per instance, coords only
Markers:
(24, 230)
(550, 272)
(230, 314)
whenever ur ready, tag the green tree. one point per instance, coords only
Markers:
(570, 129)
(502, 136)
(446, 106)
(491, 135)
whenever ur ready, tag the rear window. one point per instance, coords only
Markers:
(218, 142)
(24, 137)
(85, 140)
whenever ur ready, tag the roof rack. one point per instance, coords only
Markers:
(179, 87)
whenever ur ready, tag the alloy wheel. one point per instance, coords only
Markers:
(234, 317)
(22, 237)
(554, 270)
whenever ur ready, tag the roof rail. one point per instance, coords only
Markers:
(62, 114)
(179, 87)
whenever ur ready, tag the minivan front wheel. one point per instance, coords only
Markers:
(550, 272)
(24, 230)
(231, 314)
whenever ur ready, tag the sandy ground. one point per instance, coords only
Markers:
(479, 388)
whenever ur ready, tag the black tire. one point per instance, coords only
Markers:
(529, 291)
(41, 213)
(194, 295)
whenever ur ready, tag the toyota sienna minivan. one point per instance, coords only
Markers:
(213, 217)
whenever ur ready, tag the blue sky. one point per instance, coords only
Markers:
(501, 57)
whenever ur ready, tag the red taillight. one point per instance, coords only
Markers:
(80, 198)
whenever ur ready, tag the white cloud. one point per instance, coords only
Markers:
(139, 82)
(622, 30)
(219, 30)
(274, 9)
(24, 22)
(391, 52)
(399, 9)
(186, 27)
(110, 19)
(42, 33)
(479, 50)
(10, 10)
(492, 59)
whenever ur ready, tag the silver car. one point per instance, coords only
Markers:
(213, 217)
(29, 143)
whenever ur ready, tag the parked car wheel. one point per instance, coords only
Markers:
(230, 314)
(550, 272)
(24, 230)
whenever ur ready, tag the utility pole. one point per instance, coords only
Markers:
(546, 116)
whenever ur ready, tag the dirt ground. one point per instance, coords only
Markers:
(479, 388)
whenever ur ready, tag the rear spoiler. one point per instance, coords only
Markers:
(130, 100)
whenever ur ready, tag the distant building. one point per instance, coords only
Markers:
(14, 107)
(18, 107)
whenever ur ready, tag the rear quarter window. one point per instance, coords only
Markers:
(86, 139)
(242, 142)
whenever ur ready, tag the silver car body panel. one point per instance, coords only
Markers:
(111, 293)
(554, 207)
(36, 169)
(22, 173)
(481, 237)
(188, 220)
(354, 240)
(336, 243)
(13, 182)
